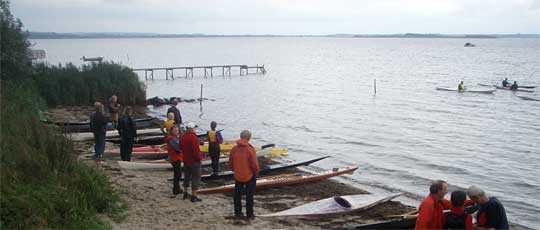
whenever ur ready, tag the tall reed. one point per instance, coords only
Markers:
(72, 85)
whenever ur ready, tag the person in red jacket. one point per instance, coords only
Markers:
(192, 161)
(175, 157)
(245, 165)
(458, 218)
(430, 212)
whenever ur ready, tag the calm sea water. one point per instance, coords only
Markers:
(318, 99)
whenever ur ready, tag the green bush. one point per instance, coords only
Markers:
(43, 185)
(70, 85)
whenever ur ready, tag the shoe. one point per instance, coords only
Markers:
(251, 217)
(186, 195)
(176, 191)
(195, 199)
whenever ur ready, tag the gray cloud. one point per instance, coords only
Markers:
(280, 17)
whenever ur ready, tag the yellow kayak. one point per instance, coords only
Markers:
(227, 147)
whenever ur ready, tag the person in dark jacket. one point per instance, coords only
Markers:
(128, 132)
(173, 109)
(214, 140)
(98, 125)
(514, 86)
(175, 157)
(458, 218)
(491, 214)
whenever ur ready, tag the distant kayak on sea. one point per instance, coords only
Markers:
(467, 90)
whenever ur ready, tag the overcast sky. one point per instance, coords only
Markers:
(291, 17)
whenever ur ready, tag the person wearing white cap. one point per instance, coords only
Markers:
(192, 161)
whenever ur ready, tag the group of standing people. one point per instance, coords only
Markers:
(490, 215)
(183, 147)
(126, 126)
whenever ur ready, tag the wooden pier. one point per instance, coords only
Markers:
(208, 70)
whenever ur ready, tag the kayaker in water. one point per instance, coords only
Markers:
(491, 214)
(514, 86)
(461, 87)
(214, 140)
(245, 166)
(127, 129)
(175, 157)
(98, 125)
(430, 212)
(189, 143)
(458, 218)
(505, 83)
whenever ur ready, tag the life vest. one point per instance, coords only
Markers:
(214, 136)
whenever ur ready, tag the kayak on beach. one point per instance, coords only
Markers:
(164, 164)
(88, 136)
(265, 169)
(150, 140)
(467, 90)
(335, 205)
(282, 180)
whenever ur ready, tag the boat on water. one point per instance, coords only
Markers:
(98, 59)
(527, 98)
(487, 91)
(282, 180)
(520, 88)
(468, 44)
(334, 205)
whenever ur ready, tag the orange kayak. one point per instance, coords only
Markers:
(282, 180)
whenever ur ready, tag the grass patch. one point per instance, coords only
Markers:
(43, 185)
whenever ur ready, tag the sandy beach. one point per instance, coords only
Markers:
(151, 205)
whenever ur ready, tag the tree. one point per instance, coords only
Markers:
(15, 62)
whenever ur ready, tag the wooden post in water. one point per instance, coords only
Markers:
(201, 93)
(375, 86)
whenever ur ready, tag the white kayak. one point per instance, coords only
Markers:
(335, 205)
(467, 90)
(156, 166)
(88, 136)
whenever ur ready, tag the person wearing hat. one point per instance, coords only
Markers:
(173, 109)
(192, 161)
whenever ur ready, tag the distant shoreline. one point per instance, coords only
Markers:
(54, 35)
